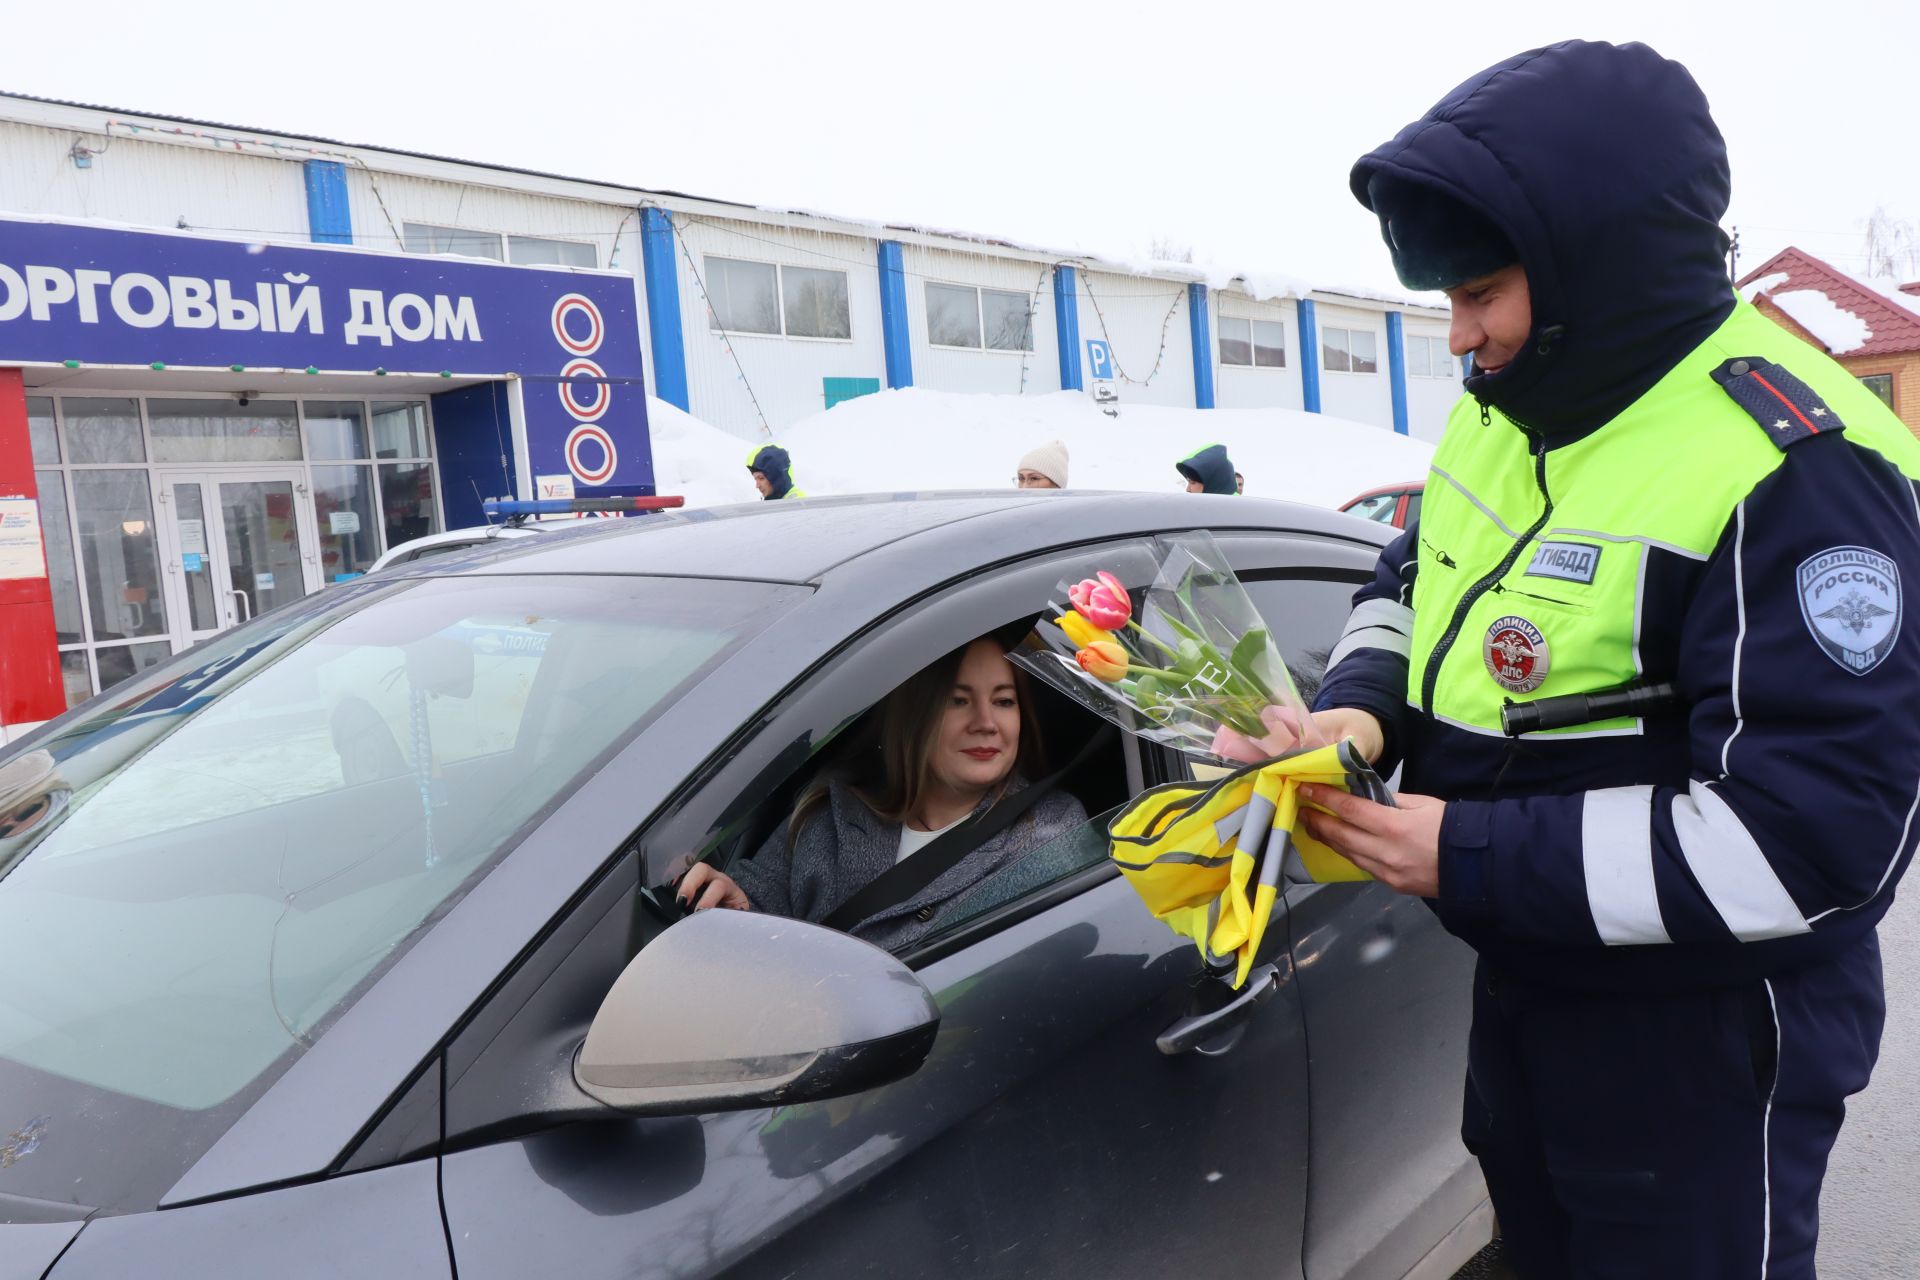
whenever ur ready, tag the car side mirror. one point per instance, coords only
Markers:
(729, 1010)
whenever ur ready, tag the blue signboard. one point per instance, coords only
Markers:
(1099, 360)
(99, 295)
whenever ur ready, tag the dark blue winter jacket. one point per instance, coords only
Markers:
(772, 462)
(1211, 467)
(1762, 825)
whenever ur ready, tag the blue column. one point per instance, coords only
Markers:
(662, 274)
(1397, 368)
(1066, 326)
(1202, 346)
(329, 218)
(1309, 358)
(894, 337)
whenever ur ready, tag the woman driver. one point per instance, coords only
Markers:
(950, 747)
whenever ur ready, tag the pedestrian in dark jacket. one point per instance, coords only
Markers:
(773, 474)
(1208, 471)
(953, 743)
(1649, 483)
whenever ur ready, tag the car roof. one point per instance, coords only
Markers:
(803, 540)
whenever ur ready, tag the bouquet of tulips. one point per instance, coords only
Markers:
(1175, 660)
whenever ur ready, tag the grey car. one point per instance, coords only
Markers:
(337, 946)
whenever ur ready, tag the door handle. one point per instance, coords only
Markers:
(236, 591)
(1190, 1033)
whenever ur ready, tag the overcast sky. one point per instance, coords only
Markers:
(1227, 128)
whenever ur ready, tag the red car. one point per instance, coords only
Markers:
(1396, 504)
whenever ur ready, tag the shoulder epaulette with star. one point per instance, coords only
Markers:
(1787, 409)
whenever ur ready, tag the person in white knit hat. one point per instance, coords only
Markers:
(1044, 468)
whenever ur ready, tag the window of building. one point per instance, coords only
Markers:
(424, 237)
(815, 303)
(407, 506)
(1349, 351)
(1428, 357)
(367, 467)
(41, 431)
(534, 251)
(757, 297)
(1253, 343)
(223, 430)
(958, 315)
(953, 316)
(1881, 384)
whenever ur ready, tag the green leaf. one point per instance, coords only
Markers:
(1186, 632)
(1250, 661)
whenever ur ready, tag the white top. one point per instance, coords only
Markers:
(912, 841)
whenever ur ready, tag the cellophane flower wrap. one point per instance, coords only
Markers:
(1179, 661)
(1173, 660)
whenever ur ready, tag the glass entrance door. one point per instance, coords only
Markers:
(236, 545)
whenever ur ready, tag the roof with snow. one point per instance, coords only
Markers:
(1847, 315)
(1261, 285)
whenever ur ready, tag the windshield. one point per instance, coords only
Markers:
(196, 878)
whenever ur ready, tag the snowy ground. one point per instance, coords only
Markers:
(916, 439)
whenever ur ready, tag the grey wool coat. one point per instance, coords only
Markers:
(845, 846)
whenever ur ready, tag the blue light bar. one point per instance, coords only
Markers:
(506, 510)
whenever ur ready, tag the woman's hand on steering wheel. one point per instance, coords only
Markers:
(703, 887)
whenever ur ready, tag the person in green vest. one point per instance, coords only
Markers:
(1208, 471)
(1656, 499)
(773, 473)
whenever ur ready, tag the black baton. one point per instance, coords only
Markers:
(1641, 698)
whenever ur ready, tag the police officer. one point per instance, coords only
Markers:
(1648, 482)
(773, 473)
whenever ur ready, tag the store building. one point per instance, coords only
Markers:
(194, 429)
(324, 348)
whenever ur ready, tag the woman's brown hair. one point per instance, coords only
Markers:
(891, 778)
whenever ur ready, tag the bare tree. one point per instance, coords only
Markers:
(1167, 249)
(1892, 246)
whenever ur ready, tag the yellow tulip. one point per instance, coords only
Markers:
(1082, 632)
(1103, 660)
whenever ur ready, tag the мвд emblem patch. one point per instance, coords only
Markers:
(1850, 598)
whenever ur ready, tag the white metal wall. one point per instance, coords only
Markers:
(1430, 400)
(1364, 397)
(151, 184)
(383, 203)
(1144, 323)
(1001, 372)
(1240, 387)
(783, 374)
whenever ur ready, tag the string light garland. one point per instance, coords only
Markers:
(240, 145)
(719, 328)
(1158, 360)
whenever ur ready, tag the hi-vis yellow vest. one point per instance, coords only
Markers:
(1513, 601)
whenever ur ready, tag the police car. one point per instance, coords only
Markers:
(515, 520)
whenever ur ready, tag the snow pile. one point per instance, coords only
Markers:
(1765, 284)
(916, 439)
(1837, 329)
(701, 463)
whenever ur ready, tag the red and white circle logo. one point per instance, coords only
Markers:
(1516, 654)
(580, 461)
(598, 393)
(574, 314)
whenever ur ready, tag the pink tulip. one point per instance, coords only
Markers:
(1104, 603)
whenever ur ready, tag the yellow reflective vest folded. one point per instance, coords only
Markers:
(1208, 858)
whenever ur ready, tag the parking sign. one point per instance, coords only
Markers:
(1099, 360)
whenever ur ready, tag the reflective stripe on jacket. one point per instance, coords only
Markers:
(1765, 823)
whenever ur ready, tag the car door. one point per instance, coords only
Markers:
(1045, 1135)
(1387, 995)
